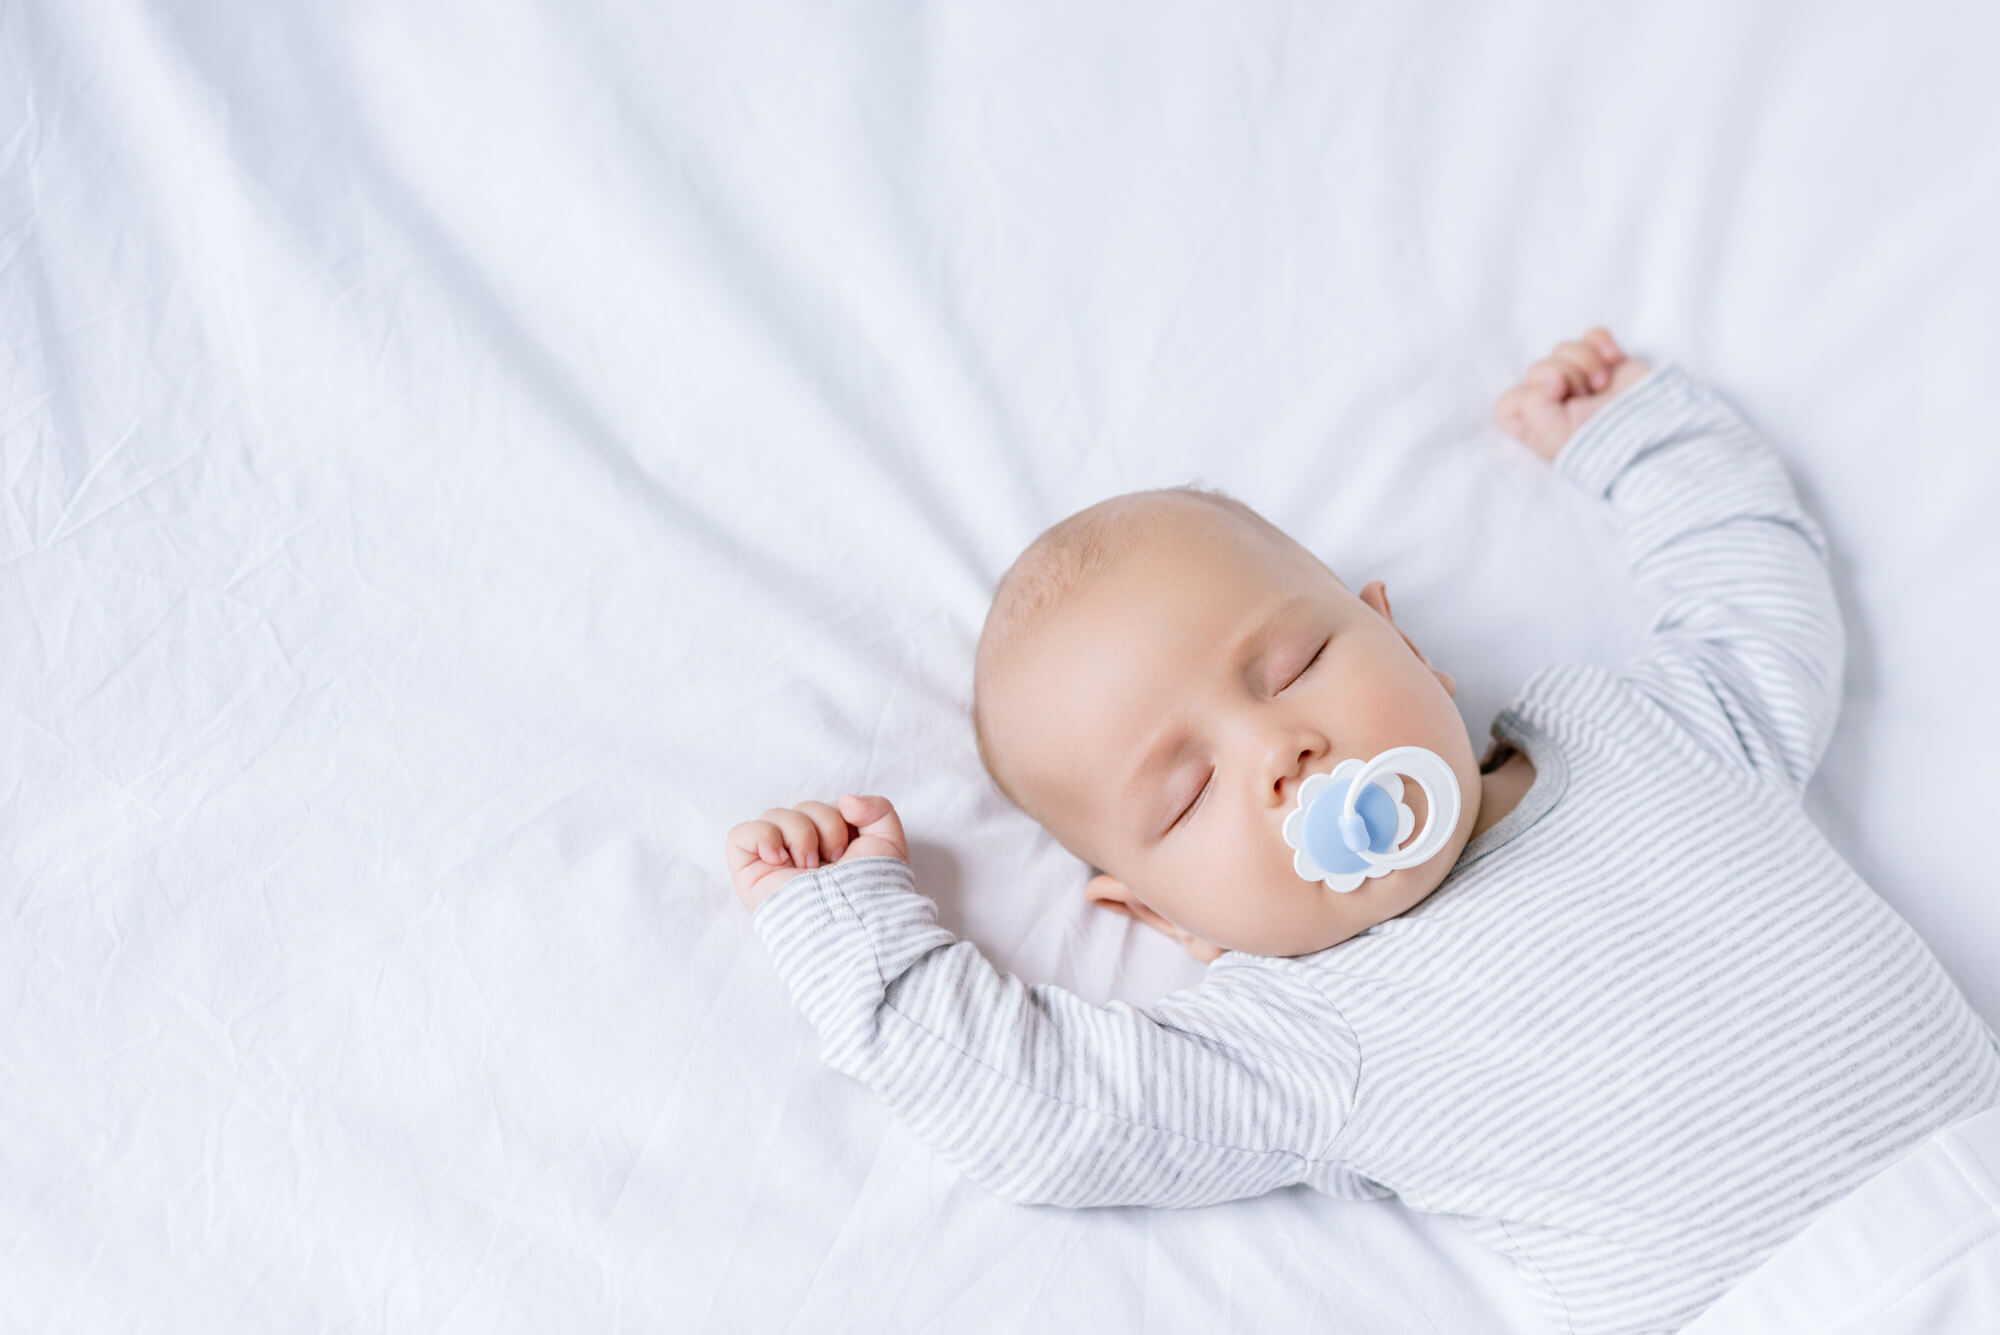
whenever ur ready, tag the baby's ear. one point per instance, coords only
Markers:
(1445, 679)
(1113, 893)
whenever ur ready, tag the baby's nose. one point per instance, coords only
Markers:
(1291, 766)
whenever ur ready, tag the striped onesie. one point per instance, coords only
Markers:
(1646, 1028)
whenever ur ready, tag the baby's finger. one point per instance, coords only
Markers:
(875, 816)
(801, 835)
(832, 827)
(1586, 360)
(755, 841)
(1607, 346)
(1544, 425)
(1555, 379)
(1507, 412)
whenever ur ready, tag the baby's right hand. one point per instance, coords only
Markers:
(1564, 390)
(764, 854)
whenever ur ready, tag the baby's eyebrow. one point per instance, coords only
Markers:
(1170, 739)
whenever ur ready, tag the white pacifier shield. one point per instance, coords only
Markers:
(1373, 842)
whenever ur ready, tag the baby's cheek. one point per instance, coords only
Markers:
(1270, 895)
(1236, 887)
(1223, 886)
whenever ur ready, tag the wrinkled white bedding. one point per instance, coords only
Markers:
(459, 458)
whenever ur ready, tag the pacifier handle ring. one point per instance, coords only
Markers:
(1440, 787)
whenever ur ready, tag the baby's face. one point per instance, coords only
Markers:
(1161, 721)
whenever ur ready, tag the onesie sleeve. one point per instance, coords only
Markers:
(1221, 1090)
(1745, 647)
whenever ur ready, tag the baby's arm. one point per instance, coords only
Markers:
(1745, 646)
(1226, 1089)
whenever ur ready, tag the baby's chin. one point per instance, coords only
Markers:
(1405, 888)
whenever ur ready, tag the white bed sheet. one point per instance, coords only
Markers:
(459, 458)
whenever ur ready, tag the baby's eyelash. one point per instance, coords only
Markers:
(1196, 802)
(1317, 654)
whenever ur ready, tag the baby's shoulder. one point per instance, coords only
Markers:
(1597, 718)
(1269, 986)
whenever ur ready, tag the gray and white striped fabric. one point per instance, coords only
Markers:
(1649, 1025)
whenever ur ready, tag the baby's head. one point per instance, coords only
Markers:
(1157, 676)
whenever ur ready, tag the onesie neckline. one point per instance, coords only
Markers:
(1551, 781)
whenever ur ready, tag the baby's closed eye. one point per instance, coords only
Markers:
(1194, 801)
(1318, 654)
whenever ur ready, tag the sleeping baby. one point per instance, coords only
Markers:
(1605, 992)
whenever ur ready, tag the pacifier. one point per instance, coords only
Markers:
(1347, 824)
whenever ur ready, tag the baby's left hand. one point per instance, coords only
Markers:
(1560, 392)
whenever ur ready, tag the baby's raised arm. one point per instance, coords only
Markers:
(1229, 1088)
(1745, 646)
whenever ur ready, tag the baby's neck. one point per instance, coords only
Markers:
(1501, 790)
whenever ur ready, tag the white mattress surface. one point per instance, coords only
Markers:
(458, 459)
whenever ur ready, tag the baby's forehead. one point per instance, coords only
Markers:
(1160, 605)
(1070, 558)
(1077, 603)
(1173, 560)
